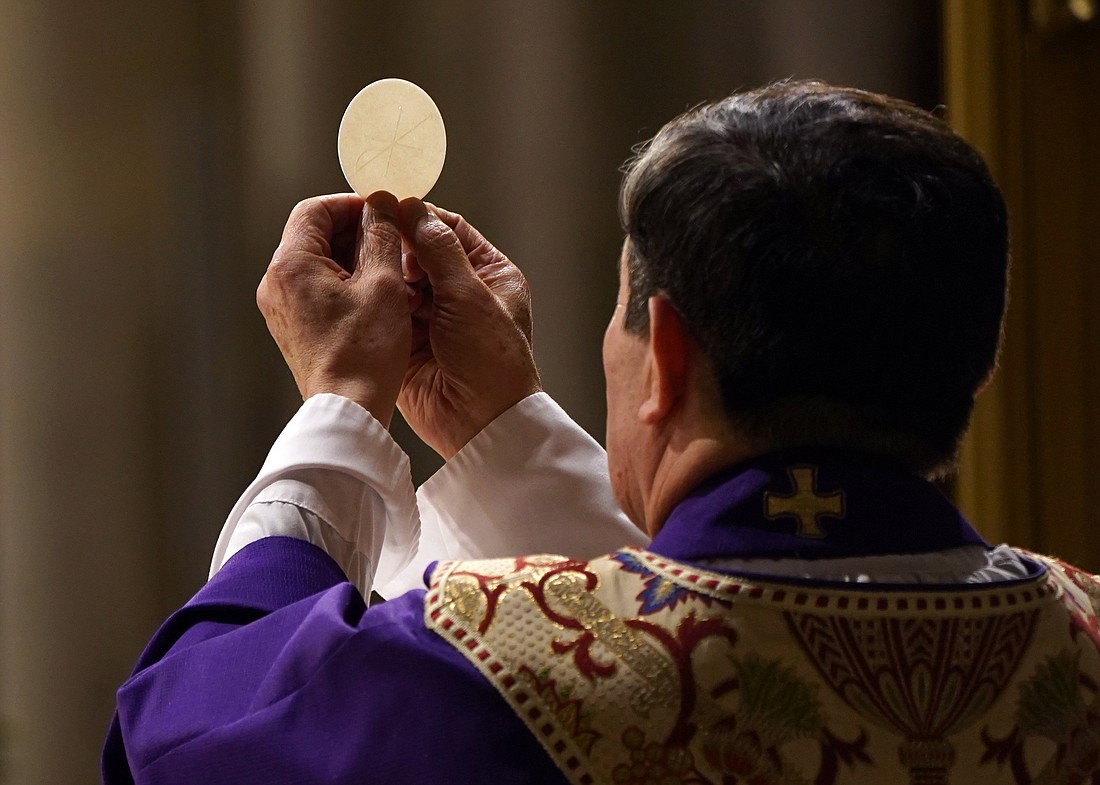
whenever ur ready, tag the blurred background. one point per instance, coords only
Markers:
(149, 155)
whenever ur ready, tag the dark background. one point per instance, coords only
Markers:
(149, 155)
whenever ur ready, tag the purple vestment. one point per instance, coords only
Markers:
(275, 672)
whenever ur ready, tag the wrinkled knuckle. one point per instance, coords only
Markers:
(383, 234)
(306, 215)
(435, 236)
(282, 274)
(263, 296)
(516, 289)
(304, 206)
(391, 288)
(281, 269)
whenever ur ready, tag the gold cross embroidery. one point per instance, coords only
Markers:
(805, 503)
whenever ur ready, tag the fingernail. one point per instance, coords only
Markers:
(384, 202)
(411, 212)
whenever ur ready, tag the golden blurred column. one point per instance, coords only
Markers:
(1021, 84)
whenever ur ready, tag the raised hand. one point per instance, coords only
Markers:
(335, 302)
(471, 356)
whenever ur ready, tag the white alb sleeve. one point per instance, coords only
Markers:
(533, 481)
(335, 478)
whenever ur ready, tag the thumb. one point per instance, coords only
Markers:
(380, 246)
(438, 249)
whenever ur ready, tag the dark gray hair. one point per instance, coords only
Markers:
(839, 256)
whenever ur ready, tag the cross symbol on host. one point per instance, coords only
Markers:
(388, 145)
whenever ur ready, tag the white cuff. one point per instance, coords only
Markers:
(533, 481)
(333, 433)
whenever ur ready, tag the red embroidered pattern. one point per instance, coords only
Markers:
(633, 668)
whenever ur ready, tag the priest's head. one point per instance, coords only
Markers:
(804, 265)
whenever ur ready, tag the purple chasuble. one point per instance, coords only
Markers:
(275, 672)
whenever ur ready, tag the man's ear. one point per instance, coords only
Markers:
(669, 351)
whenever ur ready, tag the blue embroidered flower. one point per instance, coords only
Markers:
(631, 563)
(659, 592)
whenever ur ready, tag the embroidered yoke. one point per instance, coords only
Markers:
(635, 668)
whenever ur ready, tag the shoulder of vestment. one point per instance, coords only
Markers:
(631, 666)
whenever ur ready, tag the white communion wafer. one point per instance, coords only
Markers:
(392, 139)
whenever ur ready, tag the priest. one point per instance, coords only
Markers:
(760, 584)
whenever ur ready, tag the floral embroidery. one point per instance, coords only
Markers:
(1052, 705)
(1085, 615)
(659, 593)
(635, 670)
(776, 707)
(651, 763)
(775, 703)
(569, 711)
